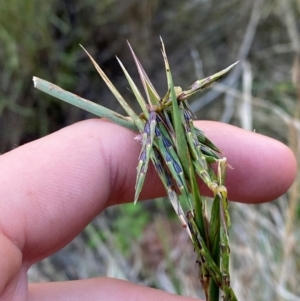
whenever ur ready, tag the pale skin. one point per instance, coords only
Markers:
(53, 187)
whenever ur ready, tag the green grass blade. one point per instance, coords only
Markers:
(180, 140)
(82, 103)
(214, 238)
(199, 205)
(202, 250)
(182, 148)
(225, 224)
(135, 90)
(204, 140)
(153, 97)
(142, 167)
(139, 123)
(207, 260)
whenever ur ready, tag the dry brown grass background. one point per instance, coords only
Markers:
(145, 244)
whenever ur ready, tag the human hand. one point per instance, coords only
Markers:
(50, 189)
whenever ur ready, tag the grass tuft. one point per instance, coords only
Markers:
(180, 152)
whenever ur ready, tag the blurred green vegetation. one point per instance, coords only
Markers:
(41, 38)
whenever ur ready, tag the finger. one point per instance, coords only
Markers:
(52, 187)
(262, 168)
(98, 289)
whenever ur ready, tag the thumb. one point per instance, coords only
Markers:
(11, 270)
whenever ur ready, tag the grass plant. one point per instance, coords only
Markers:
(180, 153)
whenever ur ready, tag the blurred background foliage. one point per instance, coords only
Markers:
(145, 244)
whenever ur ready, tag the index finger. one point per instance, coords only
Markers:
(52, 187)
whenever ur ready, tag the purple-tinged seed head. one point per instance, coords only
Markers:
(169, 181)
(152, 116)
(168, 157)
(159, 168)
(143, 155)
(187, 115)
(143, 169)
(196, 142)
(157, 132)
(148, 141)
(166, 142)
(177, 167)
(147, 128)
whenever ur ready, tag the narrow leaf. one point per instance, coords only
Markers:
(180, 140)
(148, 136)
(145, 80)
(139, 123)
(82, 103)
(135, 90)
